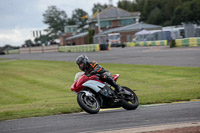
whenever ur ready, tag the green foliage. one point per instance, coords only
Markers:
(56, 19)
(43, 39)
(98, 7)
(164, 12)
(7, 47)
(76, 17)
(38, 88)
(90, 36)
(155, 16)
(127, 5)
(71, 21)
(188, 11)
(28, 42)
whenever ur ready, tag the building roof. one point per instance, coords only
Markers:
(115, 12)
(132, 27)
(77, 36)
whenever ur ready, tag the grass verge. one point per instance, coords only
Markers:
(39, 88)
(2, 59)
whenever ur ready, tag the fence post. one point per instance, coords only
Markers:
(29, 49)
(42, 49)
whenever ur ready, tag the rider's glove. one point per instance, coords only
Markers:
(92, 73)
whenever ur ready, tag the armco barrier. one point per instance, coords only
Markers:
(188, 42)
(80, 48)
(147, 43)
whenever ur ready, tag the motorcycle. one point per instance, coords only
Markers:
(93, 94)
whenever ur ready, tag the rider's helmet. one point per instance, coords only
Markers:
(82, 59)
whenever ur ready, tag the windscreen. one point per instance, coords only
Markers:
(78, 74)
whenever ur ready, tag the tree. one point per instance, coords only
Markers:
(140, 5)
(43, 39)
(77, 15)
(187, 12)
(164, 12)
(128, 5)
(71, 21)
(155, 16)
(7, 47)
(149, 6)
(98, 7)
(56, 19)
(90, 36)
(28, 43)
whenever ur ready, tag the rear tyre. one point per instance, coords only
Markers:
(88, 103)
(130, 102)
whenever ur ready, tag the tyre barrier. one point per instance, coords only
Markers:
(130, 44)
(188, 42)
(147, 43)
(80, 48)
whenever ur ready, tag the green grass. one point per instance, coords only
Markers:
(38, 88)
(2, 59)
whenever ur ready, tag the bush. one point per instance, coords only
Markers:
(91, 34)
(2, 53)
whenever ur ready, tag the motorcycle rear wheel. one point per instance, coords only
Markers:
(88, 103)
(130, 104)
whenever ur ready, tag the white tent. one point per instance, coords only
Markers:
(143, 32)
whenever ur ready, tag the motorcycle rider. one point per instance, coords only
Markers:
(92, 68)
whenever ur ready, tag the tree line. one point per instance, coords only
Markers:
(164, 12)
(158, 12)
(57, 19)
(4, 49)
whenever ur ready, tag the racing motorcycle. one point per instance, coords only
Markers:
(93, 94)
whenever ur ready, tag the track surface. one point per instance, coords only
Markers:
(114, 119)
(157, 55)
(106, 120)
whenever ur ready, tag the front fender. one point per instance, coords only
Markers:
(95, 85)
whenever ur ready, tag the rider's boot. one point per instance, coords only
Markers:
(118, 88)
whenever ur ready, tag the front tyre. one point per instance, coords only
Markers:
(130, 102)
(88, 103)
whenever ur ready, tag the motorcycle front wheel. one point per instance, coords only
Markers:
(88, 103)
(130, 102)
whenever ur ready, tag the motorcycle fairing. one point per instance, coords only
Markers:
(94, 85)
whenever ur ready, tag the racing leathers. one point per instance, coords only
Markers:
(93, 68)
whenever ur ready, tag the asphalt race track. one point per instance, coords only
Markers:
(106, 120)
(144, 116)
(154, 55)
